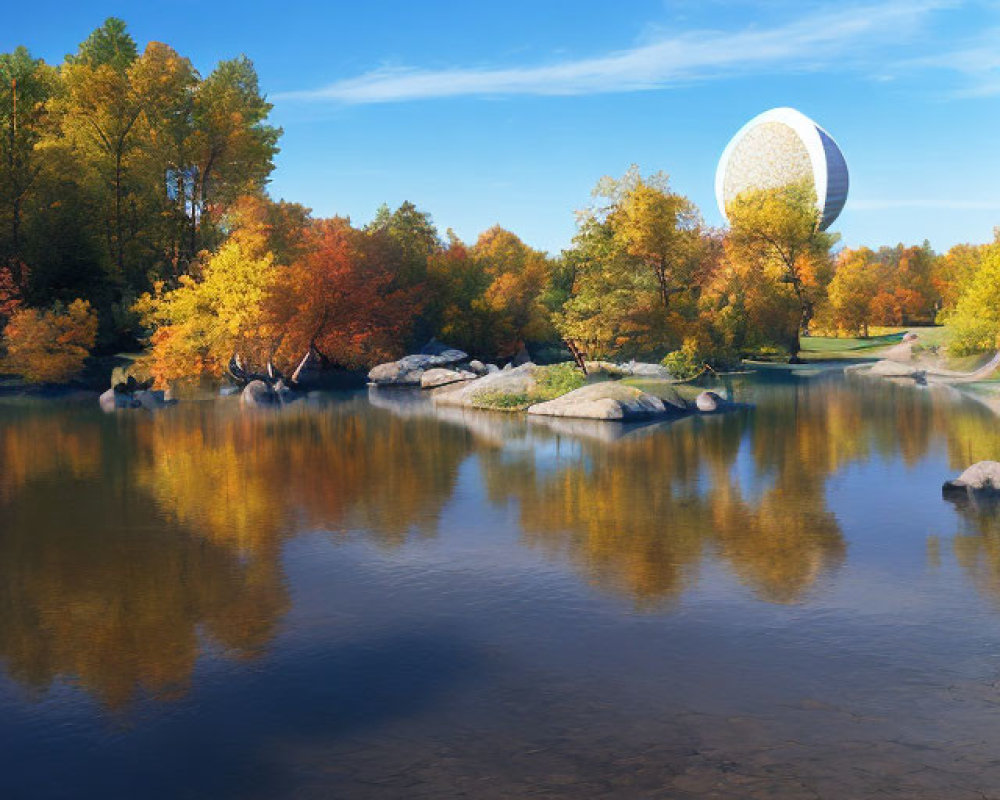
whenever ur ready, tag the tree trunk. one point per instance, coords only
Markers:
(120, 254)
(661, 277)
(578, 357)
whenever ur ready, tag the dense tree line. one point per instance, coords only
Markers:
(134, 213)
(115, 168)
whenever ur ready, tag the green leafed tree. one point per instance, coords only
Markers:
(26, 84)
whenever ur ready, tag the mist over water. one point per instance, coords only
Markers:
(363, 596)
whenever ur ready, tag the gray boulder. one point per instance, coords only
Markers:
(257, 394)
(450, 356)
(439, 376)
(477, 366)
(982, 477)
(408, 370)
(396, 373)
(608, 400)
(513, 381)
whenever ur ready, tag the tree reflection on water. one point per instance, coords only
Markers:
(127, 541)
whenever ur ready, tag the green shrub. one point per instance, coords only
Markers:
(556, 380)
(686, 362)
(550, 382)
(501, 401)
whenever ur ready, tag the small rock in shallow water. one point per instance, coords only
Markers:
(708, 402)
(983, 476)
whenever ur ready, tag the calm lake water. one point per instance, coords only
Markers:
(362, 597)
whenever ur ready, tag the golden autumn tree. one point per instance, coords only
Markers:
(952, 271)
(638, 262)
(851, 291)
(50, 346)
(517, 275)
(488, 298)
(975, 319)
(659, 228)
(774, 238)
(198, 326)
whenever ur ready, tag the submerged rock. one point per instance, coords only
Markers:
(608, 400)
(982, 477)
(439, 376)
(116, 398)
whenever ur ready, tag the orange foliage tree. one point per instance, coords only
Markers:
(340, 298)
(50, 346)
(488, 298)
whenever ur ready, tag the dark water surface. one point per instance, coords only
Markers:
(362, 597)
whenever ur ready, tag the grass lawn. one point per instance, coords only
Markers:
(830, 348)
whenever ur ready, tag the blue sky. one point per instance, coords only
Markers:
(509, 112)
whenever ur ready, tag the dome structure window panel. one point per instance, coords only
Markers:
(780, 147)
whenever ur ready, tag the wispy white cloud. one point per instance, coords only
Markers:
(812, 41)
(977, 61)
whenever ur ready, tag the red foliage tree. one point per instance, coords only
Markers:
(11, 289)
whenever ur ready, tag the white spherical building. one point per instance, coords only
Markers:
(779, 147)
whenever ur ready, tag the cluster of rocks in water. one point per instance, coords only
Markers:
(455, 380)
(452, 378)
(127, 392)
